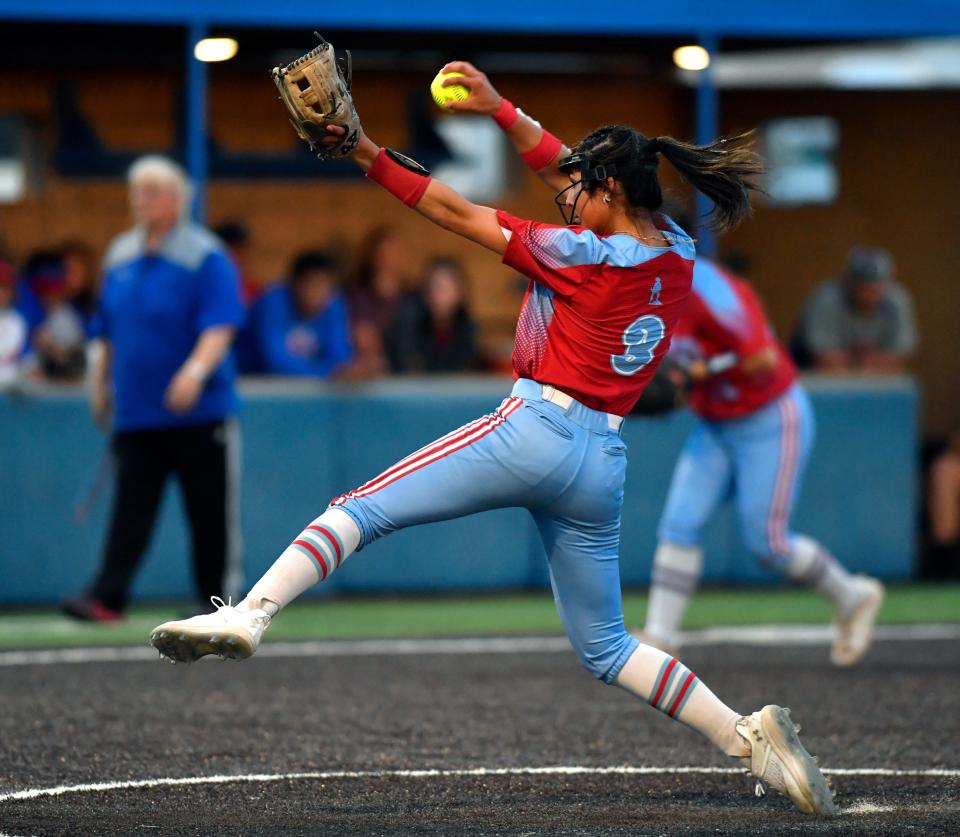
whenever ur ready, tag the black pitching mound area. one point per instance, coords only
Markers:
(288, 737)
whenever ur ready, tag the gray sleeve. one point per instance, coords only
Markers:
(822, 315)
(904, 339)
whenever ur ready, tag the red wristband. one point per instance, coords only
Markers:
(545, 152)
(401, 182)
(506, 114)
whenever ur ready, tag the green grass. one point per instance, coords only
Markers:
(528, 613)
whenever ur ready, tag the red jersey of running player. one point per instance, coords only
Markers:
(724, 315)
(600, 311)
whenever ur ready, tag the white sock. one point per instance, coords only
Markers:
(811, 564)
(668, 685)
(315, 553)
(676, 573)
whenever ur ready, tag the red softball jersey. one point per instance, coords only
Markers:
(599, 312)
(725, 314)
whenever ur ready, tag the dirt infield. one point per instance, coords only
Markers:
(80, 724)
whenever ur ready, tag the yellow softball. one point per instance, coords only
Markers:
(443, 96)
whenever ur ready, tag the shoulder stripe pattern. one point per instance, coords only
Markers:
(561, 247)
(626, 251)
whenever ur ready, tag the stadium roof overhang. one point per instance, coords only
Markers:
(717, 18)
(707, 21)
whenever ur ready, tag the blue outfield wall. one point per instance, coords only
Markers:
(302, 445)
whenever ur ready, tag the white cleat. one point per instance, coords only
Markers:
(853, 632)
(778, 758)
(227, 632)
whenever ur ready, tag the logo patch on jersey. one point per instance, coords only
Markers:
(655, 292)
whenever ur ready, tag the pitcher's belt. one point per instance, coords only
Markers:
(561, 399)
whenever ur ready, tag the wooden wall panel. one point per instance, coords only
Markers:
(899, 183)
(898, 166)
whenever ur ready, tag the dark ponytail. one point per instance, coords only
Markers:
(722, 170)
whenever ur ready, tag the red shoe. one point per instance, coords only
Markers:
(89, 609)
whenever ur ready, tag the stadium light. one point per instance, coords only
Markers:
(215, 49)
(691, 57)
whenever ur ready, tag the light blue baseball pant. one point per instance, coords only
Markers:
(566, 466)
(758, 461)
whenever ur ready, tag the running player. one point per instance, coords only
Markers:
(604, 298)
(751, 443)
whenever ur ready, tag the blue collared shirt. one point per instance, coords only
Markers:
(153, 308)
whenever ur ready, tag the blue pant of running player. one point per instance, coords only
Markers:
(758, 460)
(566, 466)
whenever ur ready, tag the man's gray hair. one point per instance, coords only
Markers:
(163, 169)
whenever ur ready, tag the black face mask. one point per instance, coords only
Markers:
(590, 176)
(568, 213)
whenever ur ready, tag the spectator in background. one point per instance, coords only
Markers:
(301, 328)
(861, 322)
(80, 267)
(27, 302)
(167, 314)
(236, 238)
(59, 340)
(377, 293)
(434, 332)
(13, 329)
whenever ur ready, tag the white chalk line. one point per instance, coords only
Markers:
(763, 635)
(469, 772)
(865, 807)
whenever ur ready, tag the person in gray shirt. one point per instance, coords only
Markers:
(861, 322)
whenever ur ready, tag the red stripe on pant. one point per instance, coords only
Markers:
(424, 451)
(443, 453)
(780, 506)
(462, 440)
(434, 446)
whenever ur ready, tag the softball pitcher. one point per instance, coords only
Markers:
(751, 444)
(605, 295)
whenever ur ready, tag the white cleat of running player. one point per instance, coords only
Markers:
(853, 631)
(227, 632)
(778, 759)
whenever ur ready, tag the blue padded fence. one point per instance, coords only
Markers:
(303, 444)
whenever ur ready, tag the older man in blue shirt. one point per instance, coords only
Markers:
(170, 305)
